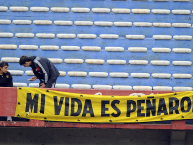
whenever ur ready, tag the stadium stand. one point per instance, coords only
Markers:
(139, 45)
(125, 47)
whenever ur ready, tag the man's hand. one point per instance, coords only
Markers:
(42, 85)
(33, 78)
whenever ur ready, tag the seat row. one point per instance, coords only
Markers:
(94, 10)
(110, 61)
(93, 36)
(96, 23)
(109, 87)
(112, 74)
(95, 48)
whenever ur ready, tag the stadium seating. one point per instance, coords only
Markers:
(110, 44)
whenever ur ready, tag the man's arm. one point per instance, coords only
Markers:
(54, 74)
(10, 84)
(49, 70)
(44, 77)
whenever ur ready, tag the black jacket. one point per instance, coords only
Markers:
(44, 70)
(6, 80)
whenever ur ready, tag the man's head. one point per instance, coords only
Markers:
(4, 66)
(25, 61)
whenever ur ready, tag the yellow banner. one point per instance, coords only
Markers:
(42, 104)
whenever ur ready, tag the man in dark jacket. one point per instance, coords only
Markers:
(5, 76)
(43, 69)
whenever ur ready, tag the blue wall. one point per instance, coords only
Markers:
(148, 42)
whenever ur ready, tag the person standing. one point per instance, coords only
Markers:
(5, 76)
(43, 69)
(5, 81)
